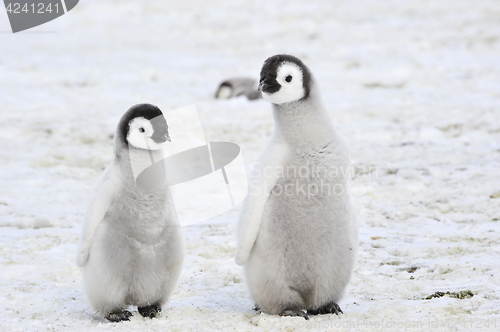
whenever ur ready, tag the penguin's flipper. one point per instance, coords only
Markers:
(265, 175)
(103, 194)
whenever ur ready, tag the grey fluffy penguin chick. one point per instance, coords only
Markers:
(238, 86)
(131, 247)
(297, 231)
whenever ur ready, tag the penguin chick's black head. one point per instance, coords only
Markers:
(269, 72)
(148, 112)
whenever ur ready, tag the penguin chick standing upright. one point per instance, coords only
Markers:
(297, 232)
(131, 247)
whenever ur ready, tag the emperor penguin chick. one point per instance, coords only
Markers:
(237, 86)
(131, 247)
(297, 232)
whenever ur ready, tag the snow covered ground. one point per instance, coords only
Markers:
(413, 86)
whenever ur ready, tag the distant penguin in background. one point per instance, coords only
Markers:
(238, 86)
(131, 247)
(297, 232)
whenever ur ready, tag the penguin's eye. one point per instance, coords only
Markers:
(141, 129)
(288, 78)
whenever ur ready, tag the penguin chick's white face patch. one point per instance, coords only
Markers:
(290, 78)
(224, 92)
(140, 134)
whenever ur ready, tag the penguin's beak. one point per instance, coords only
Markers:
(161, 139)
(268, 86)
(262, 86)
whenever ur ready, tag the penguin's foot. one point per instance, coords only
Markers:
(150, 311)
(256, 308)
(118, 316)
(294, 313)
(329, 308)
